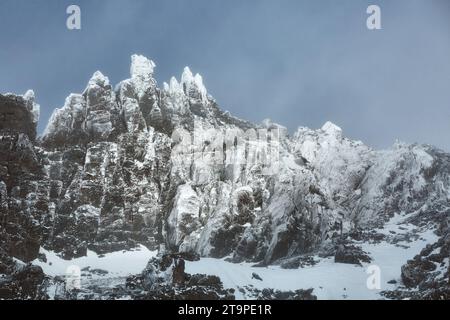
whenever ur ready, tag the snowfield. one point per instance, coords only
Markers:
(330, 280)
(118, 264)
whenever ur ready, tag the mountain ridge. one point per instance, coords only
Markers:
(168, 169)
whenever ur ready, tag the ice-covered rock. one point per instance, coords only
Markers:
(141, 72)
(340, 163)
(406, 178)
(91, 116)
(184, 219)
(32, 106)
(193, 85)
(167, 167)
(141, 67)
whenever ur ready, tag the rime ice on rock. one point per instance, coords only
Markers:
(32, 106)
(98, 79)
(331, 128)
(193, 85)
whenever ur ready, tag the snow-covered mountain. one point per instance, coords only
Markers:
(166, 168)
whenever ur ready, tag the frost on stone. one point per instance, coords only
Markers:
(401, 180)
(32, 106)
(87, 212)
(183, 220)
(193, 85)
(70, 116)
(340, 162)
(98, 79)
(94, 114)
(141, 72)
(145, 165)
(141, 67)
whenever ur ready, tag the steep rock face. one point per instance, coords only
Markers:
(23, 185)
(407, 178)
(107, 174)
(112, 152)
(19, 114)
(140, 164)
(339, 163)
(89, 117)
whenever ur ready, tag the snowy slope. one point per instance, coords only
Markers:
(330, 280)
(117, 264)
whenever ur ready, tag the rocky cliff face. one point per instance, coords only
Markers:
(167, 168)
(115, 180)
(23, 198)
(23, 183)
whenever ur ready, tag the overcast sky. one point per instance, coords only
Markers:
(299, 63)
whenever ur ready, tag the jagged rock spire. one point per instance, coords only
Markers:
(141, 67)
(141, 72)
(193, 85)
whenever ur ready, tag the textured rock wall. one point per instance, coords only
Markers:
(165, 166)
(23, 183)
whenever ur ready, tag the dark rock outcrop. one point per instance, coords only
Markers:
(16, 115)
(351, 254)
(20, 281)
(24, 204)
(160, 281)
(163, 167)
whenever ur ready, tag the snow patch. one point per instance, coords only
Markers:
(118, 264)
(193, 83)
(98, 79)
(330, 280)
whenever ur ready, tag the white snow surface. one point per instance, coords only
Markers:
(330, 280)
(189, 81)
(118, 264)
(98, 78)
